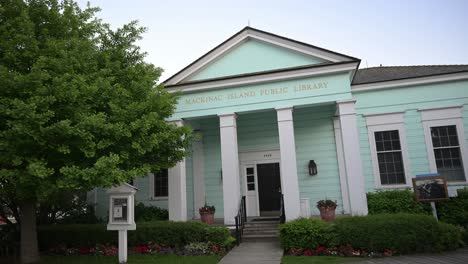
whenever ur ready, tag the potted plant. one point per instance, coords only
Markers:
(327, 209)
(207, 213)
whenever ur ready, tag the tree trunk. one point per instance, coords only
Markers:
(29, 246)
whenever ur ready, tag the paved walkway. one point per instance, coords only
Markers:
(454, 257)
(270, 252)
(253, 253)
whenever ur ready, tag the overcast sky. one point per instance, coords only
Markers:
(387, 32)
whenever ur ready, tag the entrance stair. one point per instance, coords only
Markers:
(261, 229)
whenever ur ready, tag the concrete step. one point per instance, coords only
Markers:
(259, 230)
(270, 224)
(259, 237)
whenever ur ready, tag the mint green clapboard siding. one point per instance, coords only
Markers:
(209, 127)
(315, 140)
(408, 100)
(253, 56)
(257, 131)
(264, 96)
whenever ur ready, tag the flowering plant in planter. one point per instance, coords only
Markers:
(207, 209)
(207, 213)
(327, 209)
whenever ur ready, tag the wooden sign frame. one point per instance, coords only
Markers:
(430, 189)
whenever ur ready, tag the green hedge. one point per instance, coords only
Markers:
(395, 201)
(402, 233)
(455, 210)
(306, 234)
(177, 234)
(150, 213)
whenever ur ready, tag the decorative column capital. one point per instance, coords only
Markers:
(346, 107)
(227, 120)
(284, 113)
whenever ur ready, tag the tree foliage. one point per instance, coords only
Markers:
(79, 106)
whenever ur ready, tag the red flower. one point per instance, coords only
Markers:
(142, 249)
(214, 249)
(308, 252)
(84, 251)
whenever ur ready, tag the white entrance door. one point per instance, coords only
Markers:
(251, 186)
(249, 162)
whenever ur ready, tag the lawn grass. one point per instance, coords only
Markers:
(317, 260)
(132, 259)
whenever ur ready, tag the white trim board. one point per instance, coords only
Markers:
(409, 82)
(262, 78)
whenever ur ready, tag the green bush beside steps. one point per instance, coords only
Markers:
(401, 233)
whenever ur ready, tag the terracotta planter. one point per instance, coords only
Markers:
(327, 213)
(207, 217)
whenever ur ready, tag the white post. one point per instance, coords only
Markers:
(341, 165)
(177, 189)
(288, 165)
(434, 210)
(122, 246)
(198, 176)
(230, 166)
(352, 157)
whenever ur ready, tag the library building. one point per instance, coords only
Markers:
(282, 124)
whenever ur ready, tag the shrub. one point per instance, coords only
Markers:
(455, 210)
(306, 234)
(150, 213)
(395, 201)
(402, 233)
(217, 235)
(174, 234)
(75, 235)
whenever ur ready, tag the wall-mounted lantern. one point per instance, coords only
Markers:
(312, 168)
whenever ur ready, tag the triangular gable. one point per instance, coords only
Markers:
(245, 41)
(253, 56)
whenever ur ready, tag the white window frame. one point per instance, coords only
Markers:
(388, 122)
(151, 190)
(445, 116)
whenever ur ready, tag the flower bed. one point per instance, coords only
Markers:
(181, 238)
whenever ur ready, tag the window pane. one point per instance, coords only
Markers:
(387, 140)
(250, 179)
(251, 187)
(391, 168)
(161, 183)
(447, 152)
(250, 170)
(444, 136)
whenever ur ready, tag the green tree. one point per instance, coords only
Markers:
(79, 107)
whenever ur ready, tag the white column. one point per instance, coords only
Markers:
(288, 165)
(123, 246)
(230, 166)
(198, 176)
(352, 157)
(177, 189)
(341, 165)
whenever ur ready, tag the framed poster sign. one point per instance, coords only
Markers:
(430, 189)
(119, 210)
